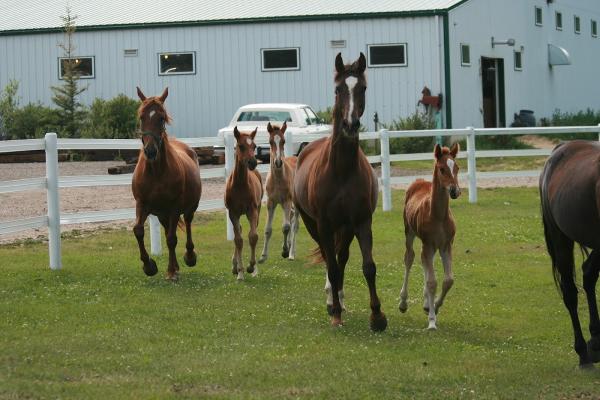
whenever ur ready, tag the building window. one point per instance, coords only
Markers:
(83, 67)
(518, 60)
(559, 21)
(594, 29)
(538, 16)
(284, 59)
(577, 24)
(387, 55)
(177, 63)
(465, 55)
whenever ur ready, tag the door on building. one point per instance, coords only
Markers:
(492, 82)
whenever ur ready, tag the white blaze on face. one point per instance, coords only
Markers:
(351, 81)
(152, 113)
(450, 163)
(277, 140)
(249, 141)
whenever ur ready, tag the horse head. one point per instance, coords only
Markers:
(245, 149)
(153, 118)
(277, 142)
(350, 89)
(446, 169)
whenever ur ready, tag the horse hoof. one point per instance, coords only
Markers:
(291, 257)
(250, 269)
(378, 322)
(240, 276)
(593, 349)
(336, 321)
(190, 261)
(173, 277)
(150, 269)
(403, 306)
(432, 326)
(285, 253)
(589, 366)
(262, 259)
(330, 310)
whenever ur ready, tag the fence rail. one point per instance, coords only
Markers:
(52, 182)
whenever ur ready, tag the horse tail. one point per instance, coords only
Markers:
(181, 224)
(316, 255)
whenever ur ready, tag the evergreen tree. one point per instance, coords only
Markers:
(71, 111)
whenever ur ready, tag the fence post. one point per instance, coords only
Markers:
(155, 243)
(471, 167)
(384, 141)
(229, 163)
(288, 146)
(599, 132)
(53, 201)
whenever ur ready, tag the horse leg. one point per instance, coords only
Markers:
(591, 267)
(293, 233)
(446, 255)
(171, 235)
(364, 234)
(236, 260)
(271, 205)
(149, 266)
(409, 258)
(190, 255)
(287, 210)
(430, 286)
(342, 259)
(327, 246)
(253, 239)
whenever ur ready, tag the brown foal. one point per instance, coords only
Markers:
(243, 195)
(427, 215)
(280, 186)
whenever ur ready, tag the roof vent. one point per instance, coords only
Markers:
(130, 52)
(338, 43)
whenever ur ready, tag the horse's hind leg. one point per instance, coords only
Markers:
(293, 233)
(287, 216)
(149, 266)
(409, 258)
(253, 239)
(364, 235)
(271, 205)
(446, 255)
(171, 235)
(591, 267)
(430, 286)
(190, 255)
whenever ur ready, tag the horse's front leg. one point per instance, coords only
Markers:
(141, 214)
(430, 285)
(327, 246)
(271, 205)
(236, 260)
(286, 228)
(446, 254)
(253, 217)
(190, 255)
(171, 235)
(364, 234)
(293, 233)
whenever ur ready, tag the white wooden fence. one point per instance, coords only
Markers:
(53, 182)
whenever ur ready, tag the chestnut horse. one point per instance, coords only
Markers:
(570, 197)
(427, 215)
(335, 191)
(243, 195)
(166, 183)
(280, 187)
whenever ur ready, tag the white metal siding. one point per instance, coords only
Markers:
(229, 67)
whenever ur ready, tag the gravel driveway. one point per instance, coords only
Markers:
(33, 203)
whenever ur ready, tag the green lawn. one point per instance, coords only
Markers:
(100, 328)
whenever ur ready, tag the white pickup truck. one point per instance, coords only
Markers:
(300, 119)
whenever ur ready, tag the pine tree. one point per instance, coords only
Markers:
(71, 111)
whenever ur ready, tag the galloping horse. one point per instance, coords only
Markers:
(166, 183)
(427, 215)
(280, 187)
(335, 191)
(570, 197)
(243, 195)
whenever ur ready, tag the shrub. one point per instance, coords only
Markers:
(588, 117)
(415, 122)
(112, 119)
(34, 121)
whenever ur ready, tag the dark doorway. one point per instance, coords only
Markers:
(492, 82)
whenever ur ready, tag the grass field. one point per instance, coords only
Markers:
(100, 328)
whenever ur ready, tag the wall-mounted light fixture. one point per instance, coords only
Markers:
(508, 42)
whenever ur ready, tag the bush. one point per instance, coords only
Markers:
(588, 117)
(112, 119)
(34, 121)
(416, 122)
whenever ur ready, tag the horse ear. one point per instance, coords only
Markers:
(283, 127)
(164, 95)
(339, 64)
(437, 151)
(253, 134)
(454, 150)
(236, 133)
(270, 128)
(140, 94)
(362, 63)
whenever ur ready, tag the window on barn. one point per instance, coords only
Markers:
(577, 24)
(559, 25)
(518, 60)
(283, 59)
(594, 29)
(82, 66)
(465, 55)
(387, 55)
(177, 63)
(538, 16)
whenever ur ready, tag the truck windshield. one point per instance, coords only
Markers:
(265, 115)
(311, 117)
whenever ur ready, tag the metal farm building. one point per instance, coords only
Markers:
(487, 58)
